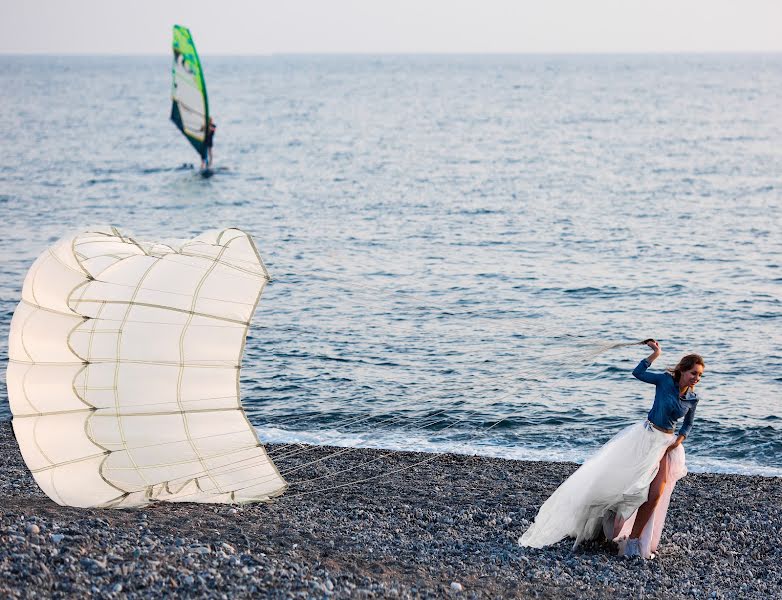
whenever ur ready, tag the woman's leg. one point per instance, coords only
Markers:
(655, 491)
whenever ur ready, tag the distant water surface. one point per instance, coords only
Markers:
(450, 236)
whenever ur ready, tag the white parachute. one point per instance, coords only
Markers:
(123, 375)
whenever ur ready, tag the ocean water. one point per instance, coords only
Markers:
(451, 238)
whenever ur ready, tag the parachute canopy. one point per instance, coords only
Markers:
(123, 376)
(189, 104)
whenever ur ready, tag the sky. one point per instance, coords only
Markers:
(391, 26)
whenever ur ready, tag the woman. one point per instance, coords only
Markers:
(624, 489)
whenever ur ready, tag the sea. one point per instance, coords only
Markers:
(458, 244)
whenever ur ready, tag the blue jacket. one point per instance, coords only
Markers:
(668, 407)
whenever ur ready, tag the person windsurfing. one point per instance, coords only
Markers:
(206, 161)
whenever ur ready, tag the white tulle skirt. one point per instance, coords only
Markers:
(603, 495)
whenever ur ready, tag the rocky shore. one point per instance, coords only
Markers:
(420, 526)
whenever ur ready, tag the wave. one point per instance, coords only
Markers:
(467, 443)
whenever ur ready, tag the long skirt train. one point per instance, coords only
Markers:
(604, 493)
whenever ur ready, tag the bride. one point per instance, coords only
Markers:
(624, 489)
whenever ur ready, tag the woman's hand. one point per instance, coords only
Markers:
(656, 349)
(678, 442)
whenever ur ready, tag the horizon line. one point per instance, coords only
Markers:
(409, 53)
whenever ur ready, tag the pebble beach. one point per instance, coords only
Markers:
(417, 526)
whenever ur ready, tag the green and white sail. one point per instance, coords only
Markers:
(190, 107)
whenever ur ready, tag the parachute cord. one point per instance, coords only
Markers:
(428, 459)
(527, 374)
(391, 420)
(386, 473)
(368, 291)
(360, 465)
(261, 479)
(590, 354)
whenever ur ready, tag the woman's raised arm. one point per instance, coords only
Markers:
(640, 371)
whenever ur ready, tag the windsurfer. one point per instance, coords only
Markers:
(208, 141)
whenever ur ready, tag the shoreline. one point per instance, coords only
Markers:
(419, 526)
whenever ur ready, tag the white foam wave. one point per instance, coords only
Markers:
(412, 442)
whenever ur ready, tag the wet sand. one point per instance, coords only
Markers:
(422, 526)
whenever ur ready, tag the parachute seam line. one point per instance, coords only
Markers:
(125, 361)
(185, 422)
(24, 389)
(72, 315)
(168, 292)
(166, 308)
(263, 282)
(168, 413)
(73, 461)
(90, 340)
(182, 487)
(202, 437)
(81, 397)
(172, 257)
(38, 446)
(58, 260)
(252, 462)
(74, 242)
(21, 337)
(117, 256)
(172, 323)
(120, 425)
(231, 265)
(55, 412)
(60, 499)
(37, 268)
(114, 502)
(70, 298)
(98, 388)
(135, 243)
(184, 252)
(188, 461)
(259, 259)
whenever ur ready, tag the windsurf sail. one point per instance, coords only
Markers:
(190, 107)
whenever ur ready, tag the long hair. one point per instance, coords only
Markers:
(685, 364)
